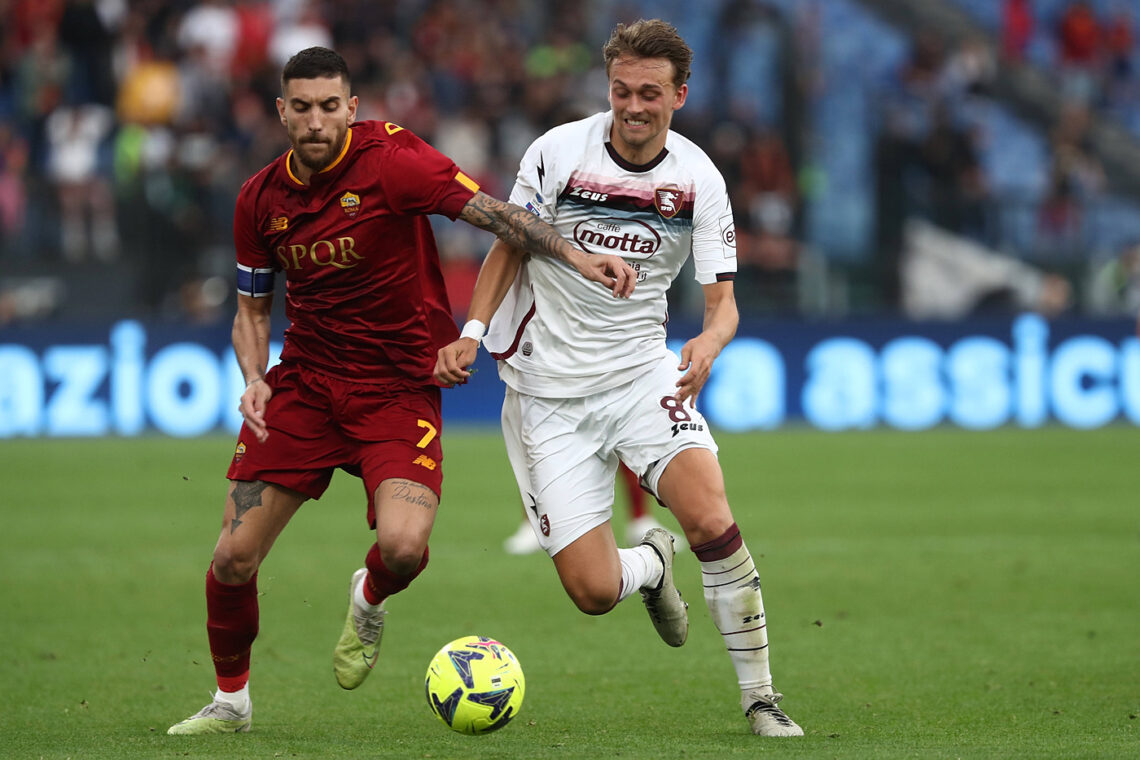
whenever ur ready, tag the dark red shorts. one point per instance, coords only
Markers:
(318, 423)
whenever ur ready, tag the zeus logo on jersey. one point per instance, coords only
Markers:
(340, 253)
(588, 195)
(614, 234)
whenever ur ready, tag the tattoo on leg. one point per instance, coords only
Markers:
(246, 496)
(413, 493)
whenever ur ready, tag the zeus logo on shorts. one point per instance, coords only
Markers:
(680, 417)
(696, 426)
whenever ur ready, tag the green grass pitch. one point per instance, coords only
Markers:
(930, 595)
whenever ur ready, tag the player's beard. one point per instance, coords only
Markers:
(320, 161)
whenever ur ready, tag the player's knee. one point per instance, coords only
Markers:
(234, 566)
(706, 525)
(402, 558)
(593, 599)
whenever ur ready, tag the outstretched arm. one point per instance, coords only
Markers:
(495, 278)
(721, 319)
(251, 346)
(521, 229)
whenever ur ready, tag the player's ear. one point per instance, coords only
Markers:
(352, 103)
(281, 110)
(682, 93)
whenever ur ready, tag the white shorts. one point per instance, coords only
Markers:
(565, 452)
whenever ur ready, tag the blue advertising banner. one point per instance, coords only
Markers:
(126, 378)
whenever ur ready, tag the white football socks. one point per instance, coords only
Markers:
(362, 604)
(239, 700)
(732, 593)
(640, 568)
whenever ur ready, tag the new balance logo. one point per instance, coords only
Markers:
(423, 460)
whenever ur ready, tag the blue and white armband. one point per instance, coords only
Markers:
(256, 283)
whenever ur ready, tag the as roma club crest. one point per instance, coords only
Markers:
(350, 203)
(668, 201)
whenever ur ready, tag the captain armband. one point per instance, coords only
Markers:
(256, 283)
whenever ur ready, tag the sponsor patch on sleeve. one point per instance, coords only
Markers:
(728, 235)
(534, 205)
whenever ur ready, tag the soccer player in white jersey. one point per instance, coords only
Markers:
(590, 380)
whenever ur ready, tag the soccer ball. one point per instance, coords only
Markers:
(475, 685)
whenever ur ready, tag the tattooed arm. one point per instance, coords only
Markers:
(521, 229)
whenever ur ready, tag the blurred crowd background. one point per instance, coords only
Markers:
(934, 159)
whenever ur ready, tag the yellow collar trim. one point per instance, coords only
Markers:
(329, 168)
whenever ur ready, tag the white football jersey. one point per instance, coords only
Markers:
(560, 335)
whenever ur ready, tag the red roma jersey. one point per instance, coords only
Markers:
(364, 293)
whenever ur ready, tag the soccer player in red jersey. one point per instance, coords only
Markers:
(344, 215)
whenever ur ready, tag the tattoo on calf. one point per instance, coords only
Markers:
(246, 496)
(413, 493)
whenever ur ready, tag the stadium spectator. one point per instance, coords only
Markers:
(13, 197)
(765, 200)
(1114, 285)
(1120, 47)
(76, 136)
(434, 67)
(591, 383)
(1017, 28)
(1078, 35)
(42, 74)
(1076, 179)
(306, 27)
(211, 28)
(1080, 51)
(343, 213)
(969, 70)
(958, 195)
(86, 31)
(927, 162)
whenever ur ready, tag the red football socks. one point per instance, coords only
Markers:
(232, 624)
(634, 491)
(381, 583)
